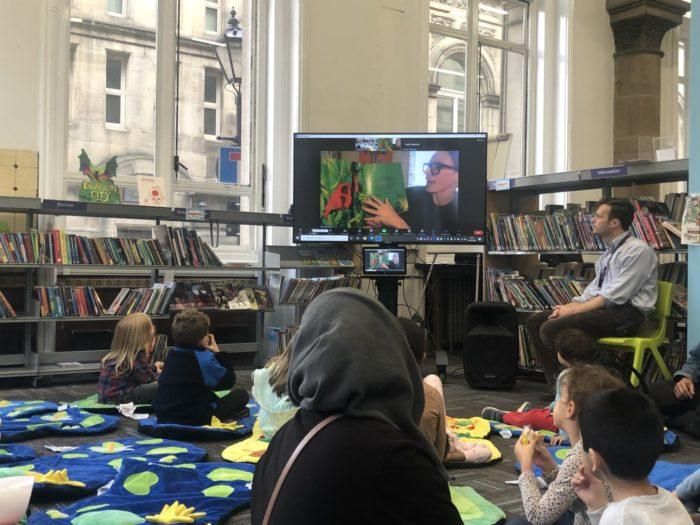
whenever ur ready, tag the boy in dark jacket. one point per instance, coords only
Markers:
(192, 372)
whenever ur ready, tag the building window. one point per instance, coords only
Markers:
(116, 7)
(500, 73)
(211, 102)
(211, 16)
(115, 84)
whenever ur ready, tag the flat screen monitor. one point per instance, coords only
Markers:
(384, 261)
(390, 188)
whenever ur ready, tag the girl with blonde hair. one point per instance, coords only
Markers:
(126, 374)
(270, 391)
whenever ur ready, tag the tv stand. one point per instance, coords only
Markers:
(388, 292)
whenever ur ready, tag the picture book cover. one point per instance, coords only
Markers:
(347, 184)
(690, 227)
(203, 295)
(183, 298)
(263, 298)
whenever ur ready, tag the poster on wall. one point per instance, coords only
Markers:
(151, 190)
(100, 186)
(690, 228)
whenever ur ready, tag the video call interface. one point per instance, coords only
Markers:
(407, 188)
(384, 260)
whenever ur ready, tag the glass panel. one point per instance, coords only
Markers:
(114, 73)
(112, 81)
(113, 109)
(502, 101)
(211, 22)
(209, 121)
(115, 6)
(210, 84)
(449, 13)
(444, 115)
(197, 126)
(503, 20)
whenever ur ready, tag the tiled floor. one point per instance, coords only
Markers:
(462, 401)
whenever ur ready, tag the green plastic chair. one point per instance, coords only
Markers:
(647, 339)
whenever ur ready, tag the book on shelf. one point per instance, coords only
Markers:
(57, 247)
(6, 309)
(283, 337)
(537, 294)
(151, 301)
(304, 290)
(526, 353)
(68, 301)
(240, 294)
(159, 348)
(572, 229)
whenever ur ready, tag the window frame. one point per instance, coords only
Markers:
(473, 58)
(121, 14)
(216, 6)
(216, 105)
(121, 92)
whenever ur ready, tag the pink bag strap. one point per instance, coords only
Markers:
(278, 486)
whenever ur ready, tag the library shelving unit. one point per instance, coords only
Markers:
(37, 355)
(521, 195)
(303, 261)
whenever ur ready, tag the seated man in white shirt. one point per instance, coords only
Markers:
(622, 435)
(618, 299)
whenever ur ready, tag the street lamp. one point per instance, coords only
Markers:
(233, 37)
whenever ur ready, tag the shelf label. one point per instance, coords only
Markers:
(613, 171)
(194, 214)
(500, 184)
(50, 204)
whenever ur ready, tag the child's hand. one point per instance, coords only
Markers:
(210, 343)
(159, 366)
(589, 489)
(542, 458)
(525, 449)
(555, 441)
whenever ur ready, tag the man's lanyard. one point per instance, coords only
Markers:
(604, 269)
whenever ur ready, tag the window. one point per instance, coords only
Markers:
(115, 7)
(211, 16)
(498, 76)
(114, 83)
(127, 104)
(211, 102)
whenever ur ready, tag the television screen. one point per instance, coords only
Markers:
(390, 188)
(383, 261)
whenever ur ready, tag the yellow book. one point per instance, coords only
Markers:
(64, 252)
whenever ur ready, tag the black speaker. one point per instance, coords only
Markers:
(490, 347)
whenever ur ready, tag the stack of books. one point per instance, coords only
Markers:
(572, 229)
(677, 274)
(675, 202)
(6, 309)
(182, 247)
(526, 356)
(68, 301)
(539, 294)
(304, 290)
(151, 301)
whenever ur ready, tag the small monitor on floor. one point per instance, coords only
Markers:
(384, 261)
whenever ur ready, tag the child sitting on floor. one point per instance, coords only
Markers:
(574, 347)
(688, 491)
(194, 369)
(126, 374)
(270, 392)
(559, 504)
(433, 423)
(623, 434)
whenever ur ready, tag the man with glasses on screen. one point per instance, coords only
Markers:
(616, 302)
(431, 208)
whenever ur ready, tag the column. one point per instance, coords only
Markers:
(694, 176)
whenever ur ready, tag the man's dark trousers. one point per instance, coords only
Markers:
(621, 321)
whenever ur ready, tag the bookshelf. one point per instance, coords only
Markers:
(521, 196)
(305, 261)
(37, 355)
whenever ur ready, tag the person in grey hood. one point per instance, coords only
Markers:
(360, 395)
